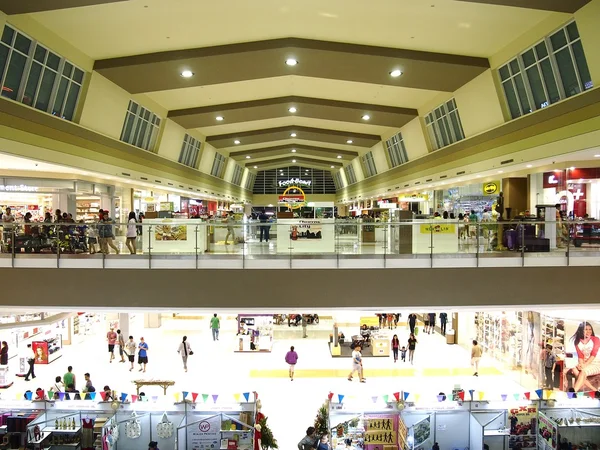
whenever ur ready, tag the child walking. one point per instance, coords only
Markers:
(403, 353)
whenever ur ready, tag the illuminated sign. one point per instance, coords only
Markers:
(18, 188)
(414, 198)
(293, 197)
(491, 188)
(441, 228)
(295, 182)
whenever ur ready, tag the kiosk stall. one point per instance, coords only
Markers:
(255, 333)
(434, 236)
(575, 421)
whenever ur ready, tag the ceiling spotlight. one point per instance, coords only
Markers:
(292, 109)
(248, 157)
(339, 156)
(366, 117)
(187, 74)
(293, 160)
(291, 62)
(396, 73)
(256, 167)
(293, 150)
(501, 171)
(596, 156)
(349, 141)
(293, 135)
(529, 166)
(332, 167)
(236, 142)
(220, 118)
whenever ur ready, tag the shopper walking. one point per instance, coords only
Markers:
(304, 324)
(230, 227)
(291, 358)
(185, 350)
(130, 347)
(69, 377)
(215, 325)
(4, 354)
(357, 365)
(412, 322)
(412, 345)
(111, 338)
(121, 344)
(432, 323)
(100, 231)
(30, 361)
(264, 227)
(142, 354)
(476, 352)
(443, 321)
(131, 233)
(308, 442)
(395, 347)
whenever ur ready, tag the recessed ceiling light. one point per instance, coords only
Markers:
(236, 142)
(220, 118)
(247, 156)
(293, 150)
(187, 74)
(339, 156)
(501, 171)
(293, 135)
(529, 166)
(292, 109)
(477, 176)
(396, 73)
(332, 167)
(291, 62)
(596, 156)
(293, 160)
(366, 117)
(256, 167)
(349, 141)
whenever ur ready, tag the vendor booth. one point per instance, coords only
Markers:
(255, 333)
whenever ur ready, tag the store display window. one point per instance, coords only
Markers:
(255, 333)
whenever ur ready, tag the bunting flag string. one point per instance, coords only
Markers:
(330, 395)
(61, 396)
(539, 393)
(527, 395)
(177, 396)
(516, 396)
(236, 397)
(504, 397)
(123, 397)
(471, 392)
(461, 395)
(215, 397)
(340, 398)
(375, 398)
(385, 398)
(406, 394)
(481, 395)
(205, 397)
(50, 395)
(154, 398)
(185, 394)
(397, 396)
(134, 398)
(246, 396)
(92, 395)
(194, 396)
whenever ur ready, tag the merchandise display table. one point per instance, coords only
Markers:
(162, 383)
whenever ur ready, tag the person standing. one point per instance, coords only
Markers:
(549, 360)
(304, 325)
(4, 354)
(395, 347)
(109, 235)
(142, 354)
(130, 347)
(30, 360)
(230, 227)
(131, 233)
(185, 350)
(476, 352)
(89, 386)
(291, 358)
(7, 224)
(308, 441)
(111, 338)
(264, 227)
(357, 365)
(412, 345)
(121, 343)
(443, 321)
(412, 322)
(69, 377)
(431, 323)
(215, 325)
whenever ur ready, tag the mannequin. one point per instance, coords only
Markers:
(257, 437)
(500, 205)
(259, 415)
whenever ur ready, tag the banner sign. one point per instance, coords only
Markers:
(441, 228)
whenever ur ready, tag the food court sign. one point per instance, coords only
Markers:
(294, 182)
(293, 197)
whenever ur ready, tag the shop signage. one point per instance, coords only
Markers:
(18, 188)
(306, 229)
(293, 197)
(414, 198)
(381, 430)
(441, 228)
(548, 431)
(295, 182)
(491, 188)
(523, 430)
(205, 434)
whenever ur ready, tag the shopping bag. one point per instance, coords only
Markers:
(416, 331)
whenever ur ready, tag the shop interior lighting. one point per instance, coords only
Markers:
(187, 74)
(395, 73)
(596, 156)
(220, 118)
(292, 109)
(236, 142)
(291, 62)
(366, 117)
(501, 171)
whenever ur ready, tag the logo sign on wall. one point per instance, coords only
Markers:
(438, 229)
(293, 197)
(295, 182)
(206, 434)
(491, 188)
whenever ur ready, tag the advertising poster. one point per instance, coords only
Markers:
(40, 348)
(402, 434)
(205, 434)
(170, 233)
(419, 435)
(523, 427)
(381, 432)
(306, 229)
(531, 348)
(548, 432)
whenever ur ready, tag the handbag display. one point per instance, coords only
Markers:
(164, 428)
(133, 428)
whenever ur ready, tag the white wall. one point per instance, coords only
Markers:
(172, 140)
(414, 139)
(208, 156)
(379, 157)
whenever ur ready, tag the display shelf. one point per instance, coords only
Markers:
(59, 430)
(496, 433)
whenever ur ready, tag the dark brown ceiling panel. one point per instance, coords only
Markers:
(302, 133)
(299, 161)
(266, 59)
(566, 6)
(274, 108)
(301, 150)
(31, 6)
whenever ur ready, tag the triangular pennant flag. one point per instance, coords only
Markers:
(215, 397)
(185, 394)
(461, 395)
(246, 396)
(194, 396)
(570, 394)
(385, 398)
(50, 395)
(471, 392)
(103, 396)
(340, 398)
(549, 393)
(539, 393)
(330, 395)
(42, 393)
(374, 399)
(236, 397)
(134, 398)
(123, 397)
(177, 396)
(154, 398)
(417, 397)
(440, 398)
(29, 395)
(205, 397)
(61, 395)
(19, 396)
(580, 394)
(406, 394)
(397, 396)
(481, 395)
(527, 395)
(92, 396)
(503, 397)
(517, 396)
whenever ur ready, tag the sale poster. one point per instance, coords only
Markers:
(523, 427)
(381, 432)
(548, 431)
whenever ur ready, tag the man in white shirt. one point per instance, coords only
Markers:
(357, 364)
(7, 223)
(130, 347)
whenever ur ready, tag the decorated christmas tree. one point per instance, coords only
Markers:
(268, 440)
(322, 420)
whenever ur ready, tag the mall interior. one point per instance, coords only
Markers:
(322, 176)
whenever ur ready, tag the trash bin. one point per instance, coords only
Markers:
(450, 337)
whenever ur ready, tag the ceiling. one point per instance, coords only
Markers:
(237, 51)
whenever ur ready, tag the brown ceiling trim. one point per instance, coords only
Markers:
(11, 7)
(287, 149)
(565, 6)
(299, 160)
(273, 108)
(302, 133)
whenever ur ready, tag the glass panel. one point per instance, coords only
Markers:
(32, 84)
(522, 94)
(7, 35)
(53, 61)
(528, 58)
(71, 101)
(582, 67)
(14, 75)
(541, 50)
(572, 31)
(511, 99)
(133, 107)
(456, 126)
(127, 129)
(504, 73)
(40, 54)
(567, 72)
(142, 134)
(146, 115)
(60, 96)
(550, 81)
(78, 75)
(450, 105)
(22, 43)
(438, 113)
(68, 69)
(444, 130)
(43, 100)
(537, 88)
(558, 40)
(514, 66)
(3, 58)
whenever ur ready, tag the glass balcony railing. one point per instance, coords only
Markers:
(310, 243)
